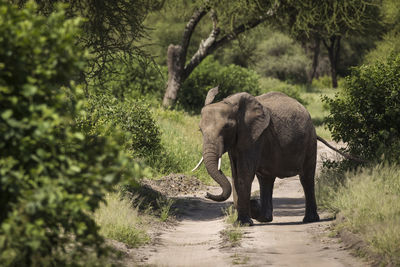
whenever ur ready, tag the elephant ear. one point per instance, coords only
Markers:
(253, 120)
(211, 95)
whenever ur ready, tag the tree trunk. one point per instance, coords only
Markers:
(316, 51)
(176, 55)
(175, 74)
(333, 52)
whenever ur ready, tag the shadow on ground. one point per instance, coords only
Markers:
(199, 209)
(288, 206)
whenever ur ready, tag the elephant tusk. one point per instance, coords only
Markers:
(198, 164)
(219, 163)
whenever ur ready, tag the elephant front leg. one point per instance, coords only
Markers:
(262, 211)
(243, 189)
(242, 184)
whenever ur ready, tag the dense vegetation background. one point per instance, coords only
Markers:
(95, 95)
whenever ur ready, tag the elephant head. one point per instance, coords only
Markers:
(234, 123)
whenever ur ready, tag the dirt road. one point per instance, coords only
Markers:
(196, 240)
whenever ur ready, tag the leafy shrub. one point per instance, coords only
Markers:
(366, 112)
(52, 176)
(280, 57)
(325, 82)
(322, 82)
(273, 84)
(131, 78)
(210, 73)
(141, 134)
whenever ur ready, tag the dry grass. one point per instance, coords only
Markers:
(118, 220)
(369, 205)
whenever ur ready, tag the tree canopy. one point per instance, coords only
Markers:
(110, 26)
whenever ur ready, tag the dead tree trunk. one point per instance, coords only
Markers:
(333, 48)
(176, 55)
(175, 71)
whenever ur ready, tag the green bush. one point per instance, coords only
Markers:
(141, 134)
(322, 82)
(210, 73)
(280, 57)
(131, 78)
(273, 84)
(366, 112)
(51, 175)
(105, 113)
(325, 82)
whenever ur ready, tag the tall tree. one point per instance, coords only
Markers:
(228, 20)
(390, 42)
(331, 21)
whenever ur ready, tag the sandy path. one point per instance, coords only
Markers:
(196, 241)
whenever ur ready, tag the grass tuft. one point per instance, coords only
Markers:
(118, 220)
(233, 233)
(165, 208)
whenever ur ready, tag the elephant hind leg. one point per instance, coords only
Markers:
(262, 210)
(307, 181)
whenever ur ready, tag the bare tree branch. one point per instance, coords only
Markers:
(210, 44)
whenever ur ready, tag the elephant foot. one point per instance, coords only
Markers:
(311, 218)
(244, 221)
(264, 219)
(255, 212)
(254, 209)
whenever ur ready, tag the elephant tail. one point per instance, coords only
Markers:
(347, 156)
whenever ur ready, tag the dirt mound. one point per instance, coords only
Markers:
(176, 185)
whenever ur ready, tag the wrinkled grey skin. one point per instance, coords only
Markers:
(270, 136)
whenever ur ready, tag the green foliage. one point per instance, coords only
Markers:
(52, 175)
(109, 28)
(390, 43)
(325, 82)
(281, 57)
(368, 205)
(272, 84)
(131, 78)
(167, 26)
(105, 113)
(140, 133)
(210, 73)
(322, 82)
(331, 18)
(366, 114)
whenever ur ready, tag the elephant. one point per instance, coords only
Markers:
(267, 136)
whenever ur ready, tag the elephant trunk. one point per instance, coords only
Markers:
(211, 163)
